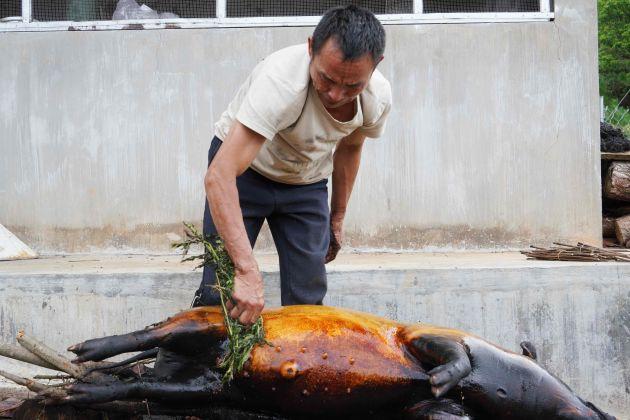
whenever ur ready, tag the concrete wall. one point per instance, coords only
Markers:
(577, 315)
(492, 143)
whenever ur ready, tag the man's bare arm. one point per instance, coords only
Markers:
(236, 154)
(346, 162)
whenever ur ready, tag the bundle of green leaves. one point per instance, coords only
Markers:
(241, 338)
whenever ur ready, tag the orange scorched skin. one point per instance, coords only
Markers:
(324, 356)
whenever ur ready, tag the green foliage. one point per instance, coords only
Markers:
(241, 338)
(614, 48)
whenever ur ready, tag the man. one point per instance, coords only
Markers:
(273, 153)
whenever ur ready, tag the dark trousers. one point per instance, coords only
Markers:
(298, 217)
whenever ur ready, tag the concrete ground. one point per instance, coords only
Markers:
(115, 264)
(577, 314)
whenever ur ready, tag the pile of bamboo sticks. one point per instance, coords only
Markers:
(579, 252)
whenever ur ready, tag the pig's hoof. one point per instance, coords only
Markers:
(96, 350)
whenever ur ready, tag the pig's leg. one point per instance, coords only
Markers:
(207, 388)
(448, 357)
(186, 332)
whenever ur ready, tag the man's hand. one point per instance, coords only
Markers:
(248, 296)
(336, 239)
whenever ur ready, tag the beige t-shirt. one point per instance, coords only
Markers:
(279, 102)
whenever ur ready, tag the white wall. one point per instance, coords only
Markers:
(492, 143)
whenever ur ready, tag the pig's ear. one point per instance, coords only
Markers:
(529, 350)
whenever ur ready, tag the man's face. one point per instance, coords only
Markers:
(336, 81)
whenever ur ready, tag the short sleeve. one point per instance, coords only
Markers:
(376, 102)
(270, 106)
(376, 128)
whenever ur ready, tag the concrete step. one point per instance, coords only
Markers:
(577, 314)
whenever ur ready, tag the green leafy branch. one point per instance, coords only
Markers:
(241, 338)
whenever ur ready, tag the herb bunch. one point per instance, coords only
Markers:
(241, 338)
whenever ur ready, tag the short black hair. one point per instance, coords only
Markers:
(355, 29)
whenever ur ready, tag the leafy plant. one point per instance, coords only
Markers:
(241, 338)
(614, 49)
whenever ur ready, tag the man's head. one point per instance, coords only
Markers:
(345, 48)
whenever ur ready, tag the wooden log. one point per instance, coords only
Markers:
(608, 227)
(28, 383)
(23, 355)
(51, 356)
(617, 184)
(622, 230)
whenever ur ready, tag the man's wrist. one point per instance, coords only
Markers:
(336, 218)
(246, 265)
